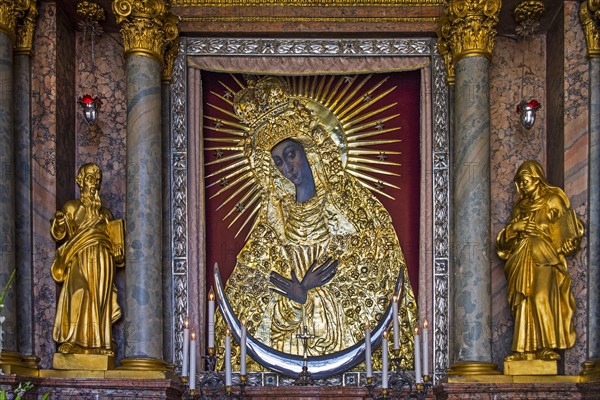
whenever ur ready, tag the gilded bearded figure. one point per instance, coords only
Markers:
(323, 253)
(85, 265)
(543, 230)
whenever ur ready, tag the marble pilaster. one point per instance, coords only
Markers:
(168, 317)
(7, 191)
(593, 317)
(23, 206)
(471, 198)
(143, 305)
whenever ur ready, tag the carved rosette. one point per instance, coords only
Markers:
(171, 47)
(144, 25)
(25, 29)
(471, 26)
(11, 11)
(589, 15)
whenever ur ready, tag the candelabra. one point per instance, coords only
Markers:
(212, 384)
(402, 384)
(304, 378)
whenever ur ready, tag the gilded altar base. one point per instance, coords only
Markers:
(530, 367)
(86, 362)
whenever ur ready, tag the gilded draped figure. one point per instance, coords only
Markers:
(91, 247)
(542, 231)
(322, 252)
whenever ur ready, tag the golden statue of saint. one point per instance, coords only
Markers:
(543, 230)
(85, 265)
(322, 253)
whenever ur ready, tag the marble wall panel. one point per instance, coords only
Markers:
(44, 178)
(101, 73)
(517, 73)
(576, 100)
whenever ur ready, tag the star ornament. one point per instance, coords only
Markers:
(379, 126)
(382, 156)
(367, 98)
(219, 153)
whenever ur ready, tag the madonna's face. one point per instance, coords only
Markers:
(290, 159)
(527, 184)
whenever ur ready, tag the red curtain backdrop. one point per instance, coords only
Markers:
(222, 246)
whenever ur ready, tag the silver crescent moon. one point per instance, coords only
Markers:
(291, 365)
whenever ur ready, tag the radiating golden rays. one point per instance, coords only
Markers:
(354, 100)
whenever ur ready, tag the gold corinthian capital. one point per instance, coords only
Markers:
(25, 29)
(10, 12)
(144, 26)
(589, 14)
(171, 47)
(471, 27)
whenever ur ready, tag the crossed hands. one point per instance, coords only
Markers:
(297, 291)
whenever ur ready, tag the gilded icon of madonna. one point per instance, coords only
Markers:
(322, 252)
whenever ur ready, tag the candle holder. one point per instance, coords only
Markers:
(402, 384)
(212, 383)
(304, 378)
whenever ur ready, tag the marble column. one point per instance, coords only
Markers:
(471, 200)
(7, 192)
(24, 231)
(146, 27)
(143, 310)
(467, 33)
(592, 33)
(23, 189)
(593, 228)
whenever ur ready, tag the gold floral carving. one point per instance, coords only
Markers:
(145, 26)
(25, 29)
(90, 11)
(172, 46)
(472, 27)
(589, 17)
(307, 3)
(10, 12)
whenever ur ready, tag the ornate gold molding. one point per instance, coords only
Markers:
(144, 26)
(471, 26)
(444, 47)
(268, 19)
(25, 29)
(307, 3)
(172, 47)
(589, 16)
(10, 12)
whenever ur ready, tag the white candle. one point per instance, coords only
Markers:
(193, 362)
(227, 358)
(186, 348)
(425, 349)
(368, 352)
(384, 362)
(243, 350)
(211, 319)
(395, 316)
(417, 344)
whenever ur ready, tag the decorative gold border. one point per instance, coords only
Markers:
(307, 3)
(309, 19)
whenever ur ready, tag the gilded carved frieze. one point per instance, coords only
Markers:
(468, 28)
(589, 15)
(306, 3)
(10, 12)
(146, 26)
